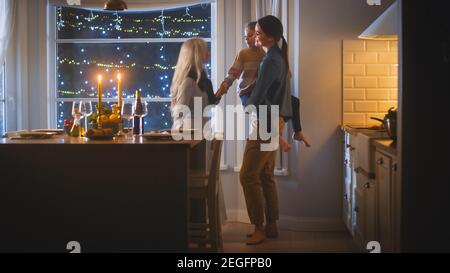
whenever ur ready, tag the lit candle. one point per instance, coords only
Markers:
(119, 91)
(100, 94)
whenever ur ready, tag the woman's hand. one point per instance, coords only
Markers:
(223, 89)
(299, 136)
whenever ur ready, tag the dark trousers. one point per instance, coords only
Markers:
(296, 123)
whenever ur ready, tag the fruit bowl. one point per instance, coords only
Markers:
(114, 126)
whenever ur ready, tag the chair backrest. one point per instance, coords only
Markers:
(214, 169)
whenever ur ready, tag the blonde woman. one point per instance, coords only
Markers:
(191, 80)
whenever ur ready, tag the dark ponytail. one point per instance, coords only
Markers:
(285, 54)
(273, 27)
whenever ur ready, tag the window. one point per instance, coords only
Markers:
(2, 100)
(142, 45)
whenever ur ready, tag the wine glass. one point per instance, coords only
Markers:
(86, 110)
(76, 110)
(140, 110)
(77, 115)
(127, 113)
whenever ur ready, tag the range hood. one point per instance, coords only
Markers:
(384, 27)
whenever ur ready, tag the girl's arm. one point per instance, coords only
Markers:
(234, 73)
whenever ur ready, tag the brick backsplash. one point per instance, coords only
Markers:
(370, 82)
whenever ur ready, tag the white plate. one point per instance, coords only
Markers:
(157, 136)
(37, 135)
(55, 131)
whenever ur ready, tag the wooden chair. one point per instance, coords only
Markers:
(207, 236)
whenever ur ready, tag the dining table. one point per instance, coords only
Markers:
(125, 195)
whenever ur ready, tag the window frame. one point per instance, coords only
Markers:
(52, 59)
(3, 98)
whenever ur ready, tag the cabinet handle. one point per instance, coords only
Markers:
(380, 161)
(367, 185)
(350, 147)
(394, 167)
(346, 162)
(345, 197)
(356, 209)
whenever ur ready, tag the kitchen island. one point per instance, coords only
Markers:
(124, 195)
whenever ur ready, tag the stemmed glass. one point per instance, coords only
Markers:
(86, 110)
(140, 111)
(77, 115)
(127, 113)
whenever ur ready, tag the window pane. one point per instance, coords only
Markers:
(158, 118)
(194, 21)
(145, 66)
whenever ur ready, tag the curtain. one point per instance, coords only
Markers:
(7, 10)
(268, 7)
(134, 4)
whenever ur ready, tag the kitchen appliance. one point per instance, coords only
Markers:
(390, 123)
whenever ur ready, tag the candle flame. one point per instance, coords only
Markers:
(119, 77)
(99, 78)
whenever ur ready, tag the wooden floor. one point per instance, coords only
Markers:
(288, 241)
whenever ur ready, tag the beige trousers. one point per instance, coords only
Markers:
(258, 182)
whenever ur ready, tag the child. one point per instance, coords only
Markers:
(245, 68)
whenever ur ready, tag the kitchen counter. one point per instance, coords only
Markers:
(387, 145)
(78, 141)
(125, 195)
(354, 130)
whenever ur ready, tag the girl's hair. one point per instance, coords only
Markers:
(190, 60)
(273, 27)
(252, 25)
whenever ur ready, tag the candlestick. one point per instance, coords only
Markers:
(119, 91)
(100, 102)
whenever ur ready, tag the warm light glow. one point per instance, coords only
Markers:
(119, 77)
(99, 78)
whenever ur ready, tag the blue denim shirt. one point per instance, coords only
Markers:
(273, 84)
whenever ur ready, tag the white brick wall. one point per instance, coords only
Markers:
(370, 82)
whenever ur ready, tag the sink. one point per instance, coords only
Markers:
(365, 151)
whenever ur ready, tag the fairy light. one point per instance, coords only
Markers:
(79, 66)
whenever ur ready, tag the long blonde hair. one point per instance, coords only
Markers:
(191, 58)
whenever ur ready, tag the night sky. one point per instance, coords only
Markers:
(144, 66)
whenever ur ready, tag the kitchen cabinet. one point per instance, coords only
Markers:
(388, 197)
(371, 203)
(349, 175)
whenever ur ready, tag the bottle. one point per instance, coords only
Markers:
(138, 111)
(76, 129)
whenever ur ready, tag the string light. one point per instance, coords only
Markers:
(81, 24)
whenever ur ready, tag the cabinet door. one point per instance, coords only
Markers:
(348, 183)
(358, 217)
(396, 185)
(347, 207)
(370, 231)
(385, 204)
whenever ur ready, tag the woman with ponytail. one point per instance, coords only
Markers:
(271, 89)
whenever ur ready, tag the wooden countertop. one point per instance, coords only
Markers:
(387, 145)
(354, 130)
(57, 140)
